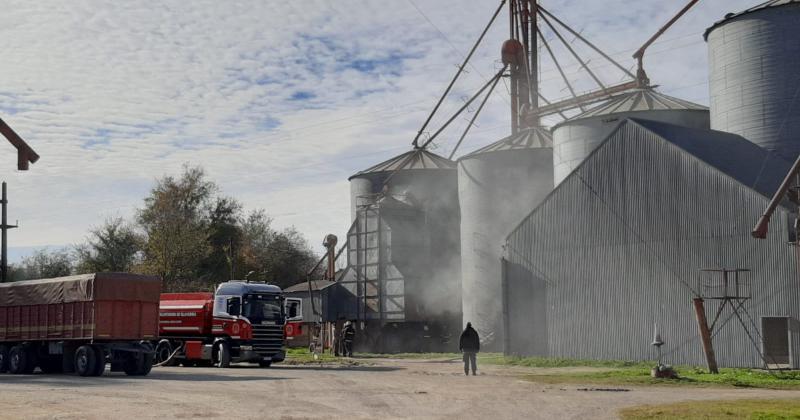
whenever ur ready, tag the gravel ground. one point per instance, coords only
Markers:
(378, 388)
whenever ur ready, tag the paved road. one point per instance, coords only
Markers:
(382, 389)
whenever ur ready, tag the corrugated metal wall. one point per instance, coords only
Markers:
(617, 248)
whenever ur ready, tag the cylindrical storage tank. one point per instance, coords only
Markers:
(576, 138)
(426, 177)
(754, 59)
(427, 183)
(361, 192)
(497, 186)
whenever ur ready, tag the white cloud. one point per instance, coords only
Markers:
(113, 95)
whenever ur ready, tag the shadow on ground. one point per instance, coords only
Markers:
(69, 380)
(309, 366)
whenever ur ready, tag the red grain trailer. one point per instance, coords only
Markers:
(79, 323)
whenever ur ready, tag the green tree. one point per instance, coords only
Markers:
(279, 257)
(174, 219)
(114, 246)
(224, 239)
(43, 264)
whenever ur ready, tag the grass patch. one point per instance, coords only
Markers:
(607, 372)
(731, 409)
(640, 375)
(409, 356)
(301, 356)
(553, 362)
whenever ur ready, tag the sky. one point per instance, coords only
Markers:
(279, 101)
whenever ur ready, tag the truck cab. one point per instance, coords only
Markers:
(251, 317)
(240, 322)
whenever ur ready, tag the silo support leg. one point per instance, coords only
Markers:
(705, 335)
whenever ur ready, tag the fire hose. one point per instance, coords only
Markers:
(169, 359)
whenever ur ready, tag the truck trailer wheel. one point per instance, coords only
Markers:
(222, 356)
(147, 364)
(3, 358)
(138, 364)
(85, 361)
(17, 360)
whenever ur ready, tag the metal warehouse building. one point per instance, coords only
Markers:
(618, 247)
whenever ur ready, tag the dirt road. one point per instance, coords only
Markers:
(382, 389)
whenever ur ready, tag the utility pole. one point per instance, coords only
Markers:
(4, 227)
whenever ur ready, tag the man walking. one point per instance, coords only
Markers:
(469, 344)
(348, 336)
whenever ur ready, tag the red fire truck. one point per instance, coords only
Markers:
(240, 322)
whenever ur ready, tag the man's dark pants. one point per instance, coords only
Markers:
(470, 358)
(348, 348)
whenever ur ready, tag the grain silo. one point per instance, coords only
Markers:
(575, 138)
(403, 251)
(754, 59)
(497, 185)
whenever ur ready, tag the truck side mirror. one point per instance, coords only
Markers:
(234, 306)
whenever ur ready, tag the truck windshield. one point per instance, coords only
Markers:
(262, 307)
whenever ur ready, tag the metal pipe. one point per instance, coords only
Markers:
(460, 110)
(571, 50)
(762, 226)
(586, 98)
(458, 73)
(474, 117)
(534, 61)
(639, 54)
(25, 155)
(586, 41)
(558, 66)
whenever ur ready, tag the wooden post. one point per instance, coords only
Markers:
(705, 335)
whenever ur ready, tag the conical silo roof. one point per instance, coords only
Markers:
(417, 159)
(640, 100)
(762, 6)
(532, 138)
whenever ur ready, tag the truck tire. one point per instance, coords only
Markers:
(222, 355)
(17, 360)
(3, 358)
(138, 364)
(85, 361)
(147, 364)
(163, 352)
(100, 361)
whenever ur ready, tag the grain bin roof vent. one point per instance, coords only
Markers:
(762, 6)
(417, 159)
(533, 138)
(640, 100)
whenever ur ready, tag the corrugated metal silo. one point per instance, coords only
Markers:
(576, 138)
(754, 59)
(403, 248)
(497, 186)
(418, 172)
